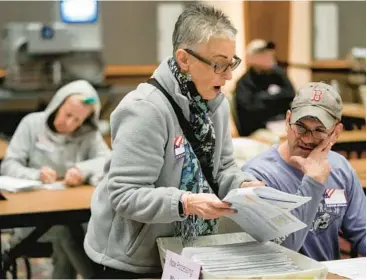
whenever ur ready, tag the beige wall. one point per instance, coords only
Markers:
(234, 9)
(351, 24)
(300, 42)
(129, 27)
(300, 49)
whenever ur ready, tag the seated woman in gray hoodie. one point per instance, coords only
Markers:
(61, 143)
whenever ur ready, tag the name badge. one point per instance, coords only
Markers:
(335, 197)
(179, 148)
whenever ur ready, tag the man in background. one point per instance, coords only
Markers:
(264, 93)
(304, 165)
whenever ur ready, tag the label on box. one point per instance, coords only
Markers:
(179, 267)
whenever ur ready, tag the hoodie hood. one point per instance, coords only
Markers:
(79, 87)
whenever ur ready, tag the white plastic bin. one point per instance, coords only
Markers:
(311, 269)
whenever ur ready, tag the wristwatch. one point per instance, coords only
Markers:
(181, 210)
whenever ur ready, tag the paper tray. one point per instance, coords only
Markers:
(311, 269)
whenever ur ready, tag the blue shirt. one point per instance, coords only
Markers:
(320, 239)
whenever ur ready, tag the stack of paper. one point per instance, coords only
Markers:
(243, 259)
(54, 186)
(12, 184)
(263, 212)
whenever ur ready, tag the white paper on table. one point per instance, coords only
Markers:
(54, 186)
(12, 184)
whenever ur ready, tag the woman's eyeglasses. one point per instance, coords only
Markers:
(219, 68)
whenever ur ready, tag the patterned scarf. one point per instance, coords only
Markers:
(192, 178)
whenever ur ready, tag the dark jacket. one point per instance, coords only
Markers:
(255, 105)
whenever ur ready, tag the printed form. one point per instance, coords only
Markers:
(264, 212)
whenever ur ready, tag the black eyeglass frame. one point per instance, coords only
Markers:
(233, 65)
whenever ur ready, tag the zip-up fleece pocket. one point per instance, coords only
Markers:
(137, 236)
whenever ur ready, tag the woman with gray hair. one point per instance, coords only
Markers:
(172, 160)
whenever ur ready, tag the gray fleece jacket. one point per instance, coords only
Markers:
(137, 201)
(34, 145)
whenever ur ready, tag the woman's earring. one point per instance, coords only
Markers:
(189, 77)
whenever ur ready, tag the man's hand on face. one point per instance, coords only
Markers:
(316, 164)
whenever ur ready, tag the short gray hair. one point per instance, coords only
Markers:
(198, 23)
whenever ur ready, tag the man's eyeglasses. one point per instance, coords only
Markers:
(302, 130)
(219, 68)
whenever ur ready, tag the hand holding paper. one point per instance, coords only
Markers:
(207, 206)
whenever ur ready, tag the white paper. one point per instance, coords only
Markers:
(179, 267)
(251, 258)
(263, 212)
(54, 186)
(12, 184)
(351, 268)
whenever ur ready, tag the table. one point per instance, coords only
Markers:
(32, 207)
(7, 95)
(359, 165)
(354, 110)
(350, 142)
(118, 70)
(350, 136)
(334, 276)
(354, 116)
(42, 209)
(10, 99)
